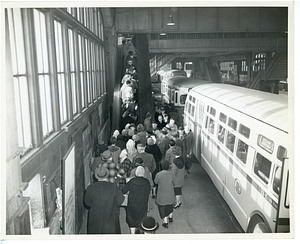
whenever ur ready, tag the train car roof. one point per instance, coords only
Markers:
(186, 82)
(267, 107)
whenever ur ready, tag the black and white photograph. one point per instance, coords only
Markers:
(122, 119)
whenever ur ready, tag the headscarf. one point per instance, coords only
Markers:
(131, 150)
(116, 133)
(123, 155)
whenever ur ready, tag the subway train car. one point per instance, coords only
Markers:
(174, 89)
(242, 140)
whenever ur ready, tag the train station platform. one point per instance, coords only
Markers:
(203, 210)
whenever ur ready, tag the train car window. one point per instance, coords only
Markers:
(223, 118)
(189, 108)
(193, 110)
(242, 151)
(221, 133)
(207, 108)
(262, 168)
(194, 100)
(230, 141)
(190, 97)
(232, 123)
(277, 180)
(183, 99)
(212, 111)
(281, 153)
(245, 131)
(206, 122)
(211, 127)
(176, 97)
(172, 96)
(265, 143)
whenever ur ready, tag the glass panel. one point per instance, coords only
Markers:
(245, 131)
(71, 51)
(232, 123)
(223, 118)
(281, 153)
(265, 143)
(193, 110)
(212, 111)
(221, 133)
(183, 98)
(230, 141)
(74, 96)
(242, 151)
(277, 180)
(262, 167)
(211, 127)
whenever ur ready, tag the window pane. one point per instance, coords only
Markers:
(242, 151)
(74, 95)
(262, 167)
(277, 180)
(221, 134)
(22, 111)
(62, 97)
(71, 51)
(223, 118)
(245, 131)
(230, 141)
(211, 126)
(232, 123)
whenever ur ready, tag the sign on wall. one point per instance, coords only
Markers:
(68, 185)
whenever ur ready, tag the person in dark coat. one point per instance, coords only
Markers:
(100, 148)
(153, 149)
(160, 122)
(165, 193)
(178, 170)
(148, 159)
(103, 199)
(148, 123)
(138, 196)
(189, 142)
(121, 142)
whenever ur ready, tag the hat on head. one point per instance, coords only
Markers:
(132, 125)
(124, 132)
(138, 161)
(135, 138)
(140, 171)
(100, 142)
(149, 225)
(165, 165)
(130, 133)
(140, 145)
(150, 141)
(95, 164)
(148, 114)
(106, 155)
(101, 172)
(127, 126)
(140, 128)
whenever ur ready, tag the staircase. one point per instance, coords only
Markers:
(158, 62)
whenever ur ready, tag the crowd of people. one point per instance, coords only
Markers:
(140, 162)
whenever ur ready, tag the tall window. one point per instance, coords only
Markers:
(60, 72)
(88, 70)
(81, 69)
(72, 71)
(43, 71)
(20, 77)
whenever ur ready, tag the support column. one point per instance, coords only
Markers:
(145, 90)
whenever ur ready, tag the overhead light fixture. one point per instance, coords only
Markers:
(163, 34)
(171, 21)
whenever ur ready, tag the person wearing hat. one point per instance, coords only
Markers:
(141, 133)
(148, 123)
(148, 158)
(131, 150)
(139, 162)
(149, 225)
(95, 163)
(138, 189)
(112, 167)
(115, 150)
(100, 148)
(178, 170)
(154, 150)
(103, 199)
(165, 194)
(170, 152)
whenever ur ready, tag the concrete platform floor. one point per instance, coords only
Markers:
(203, 210)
